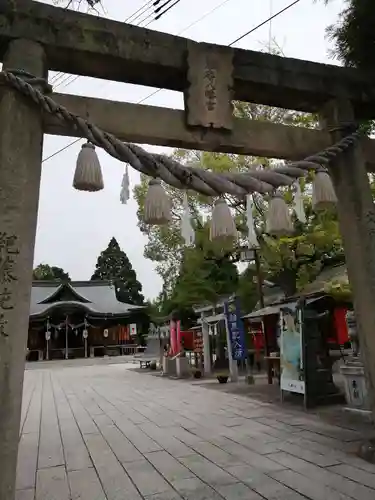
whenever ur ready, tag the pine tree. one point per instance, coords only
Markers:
(113, 264)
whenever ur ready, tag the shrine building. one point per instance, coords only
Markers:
(80, 319)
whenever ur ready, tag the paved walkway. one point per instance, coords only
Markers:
(107, 432)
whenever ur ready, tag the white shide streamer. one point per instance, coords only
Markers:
(298, 207)
(251, 235)
(125, 194)
(187, 231)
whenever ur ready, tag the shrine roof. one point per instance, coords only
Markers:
(330, 274)
(98, 298)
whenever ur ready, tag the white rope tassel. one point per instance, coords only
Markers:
(279, 222)
(324, 196)
(187, 231)
(157, 204)
(251, 235)
(222, 223)
(125, 194)
(88, 174)
(299, 208)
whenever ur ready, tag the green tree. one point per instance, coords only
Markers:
(290, 262)
(294, 261)
(113, 264)
(354, 34)
(202, 278)
(46, 272)
(247, 290)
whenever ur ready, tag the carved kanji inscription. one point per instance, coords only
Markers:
(8, 255)
(209, 96)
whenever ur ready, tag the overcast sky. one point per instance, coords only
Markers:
(74, 227)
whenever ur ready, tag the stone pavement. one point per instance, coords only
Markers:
(107, 432)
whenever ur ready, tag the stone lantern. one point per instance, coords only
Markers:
(353, 371)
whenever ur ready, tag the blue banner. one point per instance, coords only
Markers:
(236, 329)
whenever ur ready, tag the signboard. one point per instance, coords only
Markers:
(133, 329)
(198, 343)
(291, 351)
(236, 329)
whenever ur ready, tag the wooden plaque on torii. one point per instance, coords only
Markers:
(208, 97)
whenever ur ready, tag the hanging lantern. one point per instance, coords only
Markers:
(279, 222)
(88, 174)
(222, 222)
(85, 334)
(323, 196)
(48, 335)
(105, 333)
(157, 204)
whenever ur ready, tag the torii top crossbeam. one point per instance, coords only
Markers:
(86, 45)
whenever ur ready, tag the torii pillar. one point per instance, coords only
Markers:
(356, 213)
(21, 139)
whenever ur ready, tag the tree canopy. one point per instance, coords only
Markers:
(354, 34)
(202, 277)
(46, 272)
(114, 265)
(288, 262)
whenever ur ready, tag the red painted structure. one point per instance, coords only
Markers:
(187, 339)
(341, 329)
(179, 338)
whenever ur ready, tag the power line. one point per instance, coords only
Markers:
(235, 41)
(153, 8)
(66, 80)
(155, 91)
(160, 14)
(69, 79)
(76, 77)
(150, 14)
(62, 149)
(195, 22)
(264, 22)
(157, 14)
(183, 31)
(204, 16)
(270, 27)
(138, 12)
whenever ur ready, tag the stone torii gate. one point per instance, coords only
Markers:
(35, 38)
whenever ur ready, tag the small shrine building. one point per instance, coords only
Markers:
(80, 319)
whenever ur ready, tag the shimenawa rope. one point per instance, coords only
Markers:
(169, 170)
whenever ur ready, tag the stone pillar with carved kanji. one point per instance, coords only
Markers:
(21, 138)
(356, 213)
